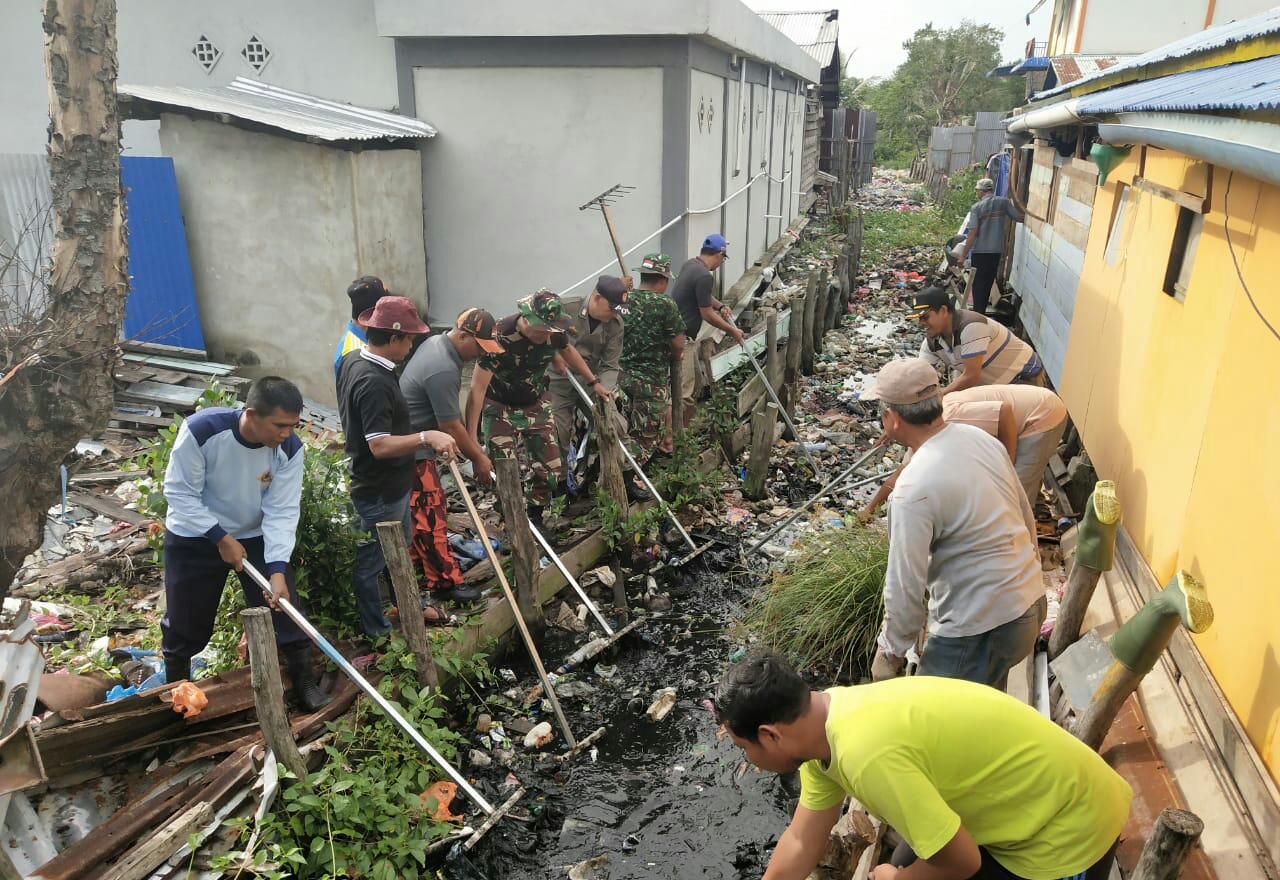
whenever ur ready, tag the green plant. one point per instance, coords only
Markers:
(618, 531)
(325, 546)
(828, 605)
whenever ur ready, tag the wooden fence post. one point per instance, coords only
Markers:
(772, 357)
(819, 326)
(1173, 835)
(268, 689)
(404, 583)
(524, 551)
(611, 478)
(761, 443)
(677, 402)
(806, 337)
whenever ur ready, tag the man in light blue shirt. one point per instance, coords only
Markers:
(234, 488)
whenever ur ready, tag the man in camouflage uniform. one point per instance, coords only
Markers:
(595, 329)
(654, 340)
(509, 388)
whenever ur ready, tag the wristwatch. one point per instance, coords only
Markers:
(422, 439)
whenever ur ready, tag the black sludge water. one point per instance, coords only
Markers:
(661, 799)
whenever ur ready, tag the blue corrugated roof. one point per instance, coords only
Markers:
(1037, 62)
(1248, 85)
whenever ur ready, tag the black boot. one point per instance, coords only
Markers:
(177, 669)
(311, 698)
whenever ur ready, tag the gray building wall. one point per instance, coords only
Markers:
(345, 60)
(277, 230)
(533, 127)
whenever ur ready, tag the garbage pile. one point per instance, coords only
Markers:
(891, 189)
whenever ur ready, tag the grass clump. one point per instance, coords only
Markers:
(827, 606)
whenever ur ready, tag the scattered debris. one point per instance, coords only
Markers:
(663, 702)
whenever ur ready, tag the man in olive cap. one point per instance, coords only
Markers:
(509, 390)
(595, 330)
(655, 339)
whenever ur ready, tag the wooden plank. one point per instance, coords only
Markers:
(97, 477)
(106, 506)
(152, 852)
(162, 394)
(209, 368)
(1198, 204)
(161, 350)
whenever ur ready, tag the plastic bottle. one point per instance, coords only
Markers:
(583, 654)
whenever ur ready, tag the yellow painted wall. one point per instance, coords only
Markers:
(1180, 404)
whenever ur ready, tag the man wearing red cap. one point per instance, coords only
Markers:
(960, 531)
(432, 385)
(380, 443)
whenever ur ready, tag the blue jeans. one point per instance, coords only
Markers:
(370, 561)
(987, 657)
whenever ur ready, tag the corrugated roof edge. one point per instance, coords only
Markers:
(1217, 37)
(285, 110)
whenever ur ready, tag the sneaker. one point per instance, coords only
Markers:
(637, 493)
(462, 594)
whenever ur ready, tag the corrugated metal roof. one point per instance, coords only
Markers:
(1218, 37)
(1038, 62)
(26, 231)
(814, 32)
(292, 112)
(1248, 85)
(1068, 69)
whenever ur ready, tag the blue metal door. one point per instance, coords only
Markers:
(162, 296)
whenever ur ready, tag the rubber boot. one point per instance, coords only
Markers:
(1096, 537)
(1139, 642)
(309, 695)
(177, 669)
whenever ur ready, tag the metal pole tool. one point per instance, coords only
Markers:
(782, 411)
(602, 202)
(372, 693)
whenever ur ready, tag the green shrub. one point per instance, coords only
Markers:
(828, 605)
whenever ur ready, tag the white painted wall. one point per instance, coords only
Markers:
(344, 59)
(706, 151)
(1131, 28)
(519, 150)
(277, 229)
(735, 213)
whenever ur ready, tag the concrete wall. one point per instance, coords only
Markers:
(1048, 253)
(1133, 28)
(1176, 402)
(277, 229)
(346, 60)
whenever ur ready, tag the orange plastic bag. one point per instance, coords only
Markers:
(188, 700)
(443, 793)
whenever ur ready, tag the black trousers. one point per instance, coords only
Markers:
(194, 575)
(993, 870)
(984, 275)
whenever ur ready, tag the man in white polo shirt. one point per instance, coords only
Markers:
(959, 531)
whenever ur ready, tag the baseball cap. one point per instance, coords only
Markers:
(613, 289)
(655, 264)
(543, 307)
(716, 242)
(930, 298)
(903, 381)
(395, 314)
(986, 184)
(367, 285)
(480, 324)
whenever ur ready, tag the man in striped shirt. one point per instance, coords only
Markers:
(980, 349)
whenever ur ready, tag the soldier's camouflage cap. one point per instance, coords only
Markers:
(655, 264)
(544, 308)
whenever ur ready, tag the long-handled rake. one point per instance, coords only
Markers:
(602, 202)
(493, 814)
(694, 549)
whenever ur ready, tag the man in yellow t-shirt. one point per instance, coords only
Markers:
(977, 783)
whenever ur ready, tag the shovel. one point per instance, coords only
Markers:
(493, 814)
(694, 549)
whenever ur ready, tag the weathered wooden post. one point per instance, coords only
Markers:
(677, 403)
(614, 485)
(819, 326)
(795, 346)
(833, 302)
(404, 583)
(772, 357)
(806, 339)
(268, 689)
(1173, 835)
(524, 552)
(766, 415)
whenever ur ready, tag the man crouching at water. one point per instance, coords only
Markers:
(977, 783)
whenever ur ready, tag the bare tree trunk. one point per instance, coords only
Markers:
(66, 393)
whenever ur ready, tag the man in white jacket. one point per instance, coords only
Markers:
(234, 487)
(959, 530)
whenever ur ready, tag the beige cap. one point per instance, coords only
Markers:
(903, 381)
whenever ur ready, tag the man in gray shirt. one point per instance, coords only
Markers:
(985, 243)
(959, 531)
(692, 292)
(432, 385)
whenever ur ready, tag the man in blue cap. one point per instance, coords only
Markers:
(693, 293)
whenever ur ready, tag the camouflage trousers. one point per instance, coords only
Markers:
(528, 435)
(648, 409)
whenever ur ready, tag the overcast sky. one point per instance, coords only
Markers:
(872, 33)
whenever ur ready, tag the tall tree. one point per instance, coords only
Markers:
(58, 350)
(943, 81)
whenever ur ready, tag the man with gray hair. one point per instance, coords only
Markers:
(960, 530)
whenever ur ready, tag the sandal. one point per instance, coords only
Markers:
(434, 615)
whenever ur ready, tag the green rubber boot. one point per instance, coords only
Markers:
(1096, 535)
(1139, 642)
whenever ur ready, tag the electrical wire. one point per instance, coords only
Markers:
(1226, 228)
